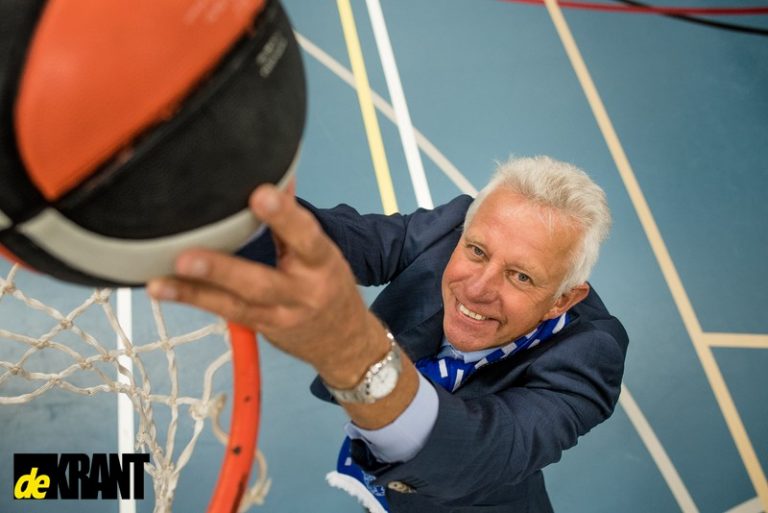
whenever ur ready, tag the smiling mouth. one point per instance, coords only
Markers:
(469, 313)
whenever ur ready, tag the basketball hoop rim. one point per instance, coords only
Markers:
(244, 423)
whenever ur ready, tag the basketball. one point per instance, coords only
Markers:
(133, 130)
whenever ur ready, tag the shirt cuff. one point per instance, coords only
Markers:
(402, 439)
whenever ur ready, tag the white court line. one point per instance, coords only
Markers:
(440, 160)
(367, 110)
(659, 455)
(404, 125)
(125, 431)
(750, 506)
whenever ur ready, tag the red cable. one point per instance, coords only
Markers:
(711, 11)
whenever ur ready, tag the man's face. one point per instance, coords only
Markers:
(503, 275)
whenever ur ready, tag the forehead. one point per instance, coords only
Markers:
(524, 232)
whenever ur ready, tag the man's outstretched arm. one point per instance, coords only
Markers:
(308, 305)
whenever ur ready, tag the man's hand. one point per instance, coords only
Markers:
(308, 305)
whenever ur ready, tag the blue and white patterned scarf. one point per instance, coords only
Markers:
(450, 370)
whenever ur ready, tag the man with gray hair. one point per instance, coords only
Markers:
(485, 356)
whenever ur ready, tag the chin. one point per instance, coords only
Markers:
(466, 342)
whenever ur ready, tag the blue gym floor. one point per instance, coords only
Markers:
(685, 268)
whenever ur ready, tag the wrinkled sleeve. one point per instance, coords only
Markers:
(378, 247)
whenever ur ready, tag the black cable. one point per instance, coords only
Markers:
(710, 23)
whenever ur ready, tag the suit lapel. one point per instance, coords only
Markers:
(424, 339)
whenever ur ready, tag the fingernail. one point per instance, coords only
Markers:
(269, 200)
(161, 290)
(195, 267)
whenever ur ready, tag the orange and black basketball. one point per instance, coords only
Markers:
(133, 129)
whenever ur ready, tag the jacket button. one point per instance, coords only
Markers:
(400, 487)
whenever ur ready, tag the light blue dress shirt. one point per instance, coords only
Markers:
(403, 439)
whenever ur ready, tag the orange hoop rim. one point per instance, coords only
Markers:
(244, 424)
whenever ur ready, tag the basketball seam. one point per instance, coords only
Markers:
(197, 99)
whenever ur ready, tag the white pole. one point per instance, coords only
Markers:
(125, 431)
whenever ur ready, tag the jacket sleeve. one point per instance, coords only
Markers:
(482, 445)
(378, 247)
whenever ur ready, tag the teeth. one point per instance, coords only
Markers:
(469, 313)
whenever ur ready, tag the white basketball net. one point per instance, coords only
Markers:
(99, 362)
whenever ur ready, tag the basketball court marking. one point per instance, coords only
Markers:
(659, 455)
(638, 420)
(679, 295)
(404, 125)
(436, 156)
(750, 506)
(736, 340)
(372, 131)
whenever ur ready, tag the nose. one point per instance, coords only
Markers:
(483, 284)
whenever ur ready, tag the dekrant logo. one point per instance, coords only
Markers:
(78, 476)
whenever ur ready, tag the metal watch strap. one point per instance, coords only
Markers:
(363, 392)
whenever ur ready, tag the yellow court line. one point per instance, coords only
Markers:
(711, 369)
(736, 340)
(372, 131)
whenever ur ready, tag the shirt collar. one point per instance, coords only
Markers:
(447, 349)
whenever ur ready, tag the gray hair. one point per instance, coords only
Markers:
(565, 189)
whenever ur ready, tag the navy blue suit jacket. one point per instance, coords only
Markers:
(510, 419)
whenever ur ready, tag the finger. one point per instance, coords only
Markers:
(253, 281)
(210, 298)
(292, 224)
(291, 187)
(225, 304)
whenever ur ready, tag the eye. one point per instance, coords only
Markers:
(518, 277)
(476, 251)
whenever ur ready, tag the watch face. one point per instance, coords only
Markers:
(384, 382)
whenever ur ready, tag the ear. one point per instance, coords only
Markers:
(567, 300)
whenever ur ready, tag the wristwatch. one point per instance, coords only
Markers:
(379, 381)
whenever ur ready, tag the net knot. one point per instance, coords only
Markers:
(121, 388)
(101, 296)
(202, 410)
(42, 343)
(66, 324)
